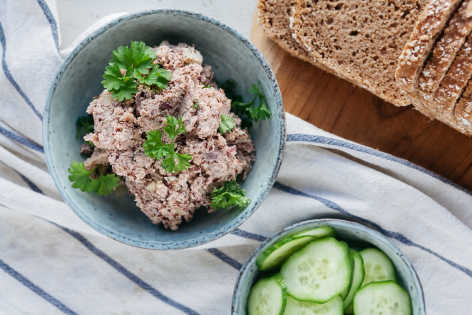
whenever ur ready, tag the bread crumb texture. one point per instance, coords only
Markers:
(361, 39)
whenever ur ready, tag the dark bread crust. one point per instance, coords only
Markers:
(274, 15)
(359, 40)
(446, 48)
(463, 112)
(427, 29)
(453, 84)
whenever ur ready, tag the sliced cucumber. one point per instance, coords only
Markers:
(319, 271)
(357, 279)
(381, 298)
(280, 251)
(268, 297)
(377, 265)
(332, 307)
(276, 254)
(318, 232)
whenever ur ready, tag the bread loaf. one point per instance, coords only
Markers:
(446, 48)
(405, 51)
(429, 26)
(359, 40)
(274, 15)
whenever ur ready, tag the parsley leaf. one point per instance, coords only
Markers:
(84, 126)
(130, 65)
(251, 111)
(226, 124)
(154, 147)
(170, 165)
(196, 104)
(158, 77)
(229, 196)
(174, 127)
(136, 59)
(82, 179)
(121, 86)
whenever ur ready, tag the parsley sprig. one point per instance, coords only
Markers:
(226, 124)
(130, 66)
(154, 147)
(86, 181)
(229, 196)
(251, 111)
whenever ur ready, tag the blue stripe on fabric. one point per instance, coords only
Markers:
(22, 140)
(299, 137)
(249, 235)
(125, 272)
(395, 235)
(51, 20)
(30, 285)
(225, 258)
(9, 76)
(30, 183)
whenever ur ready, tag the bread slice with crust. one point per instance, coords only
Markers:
(463, 112)
(427, 29)
(453, 84)
(274, 15)
(359, 40)
(445, 49)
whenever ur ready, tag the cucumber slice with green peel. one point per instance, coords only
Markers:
(377, 265)
(267, 297)
(357, 279)
(382, 298)
(317, 232)
(332, 307)
(319, 271)
(276, 254)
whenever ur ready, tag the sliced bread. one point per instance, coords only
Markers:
(445, 49)
(463, 112)
(453, 84)
(428, 27)
(274, 15)
(359, 40)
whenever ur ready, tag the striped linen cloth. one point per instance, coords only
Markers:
(53, 263)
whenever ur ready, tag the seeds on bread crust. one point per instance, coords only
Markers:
(445, 49)
(454, 82)
(429, 26)
(463, 111)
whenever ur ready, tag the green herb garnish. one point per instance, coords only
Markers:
(154, 147)
(196, 105)
(251, 111)
(84, 180)
(84, 126)
(130, 66)
(226, 124)
(229, 196)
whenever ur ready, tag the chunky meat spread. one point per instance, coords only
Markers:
(121, 127)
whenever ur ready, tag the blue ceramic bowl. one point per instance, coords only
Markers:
(350, 232)
(78, 81)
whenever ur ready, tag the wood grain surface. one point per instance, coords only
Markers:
(353, 113)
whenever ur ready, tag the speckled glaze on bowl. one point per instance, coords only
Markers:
(78, 81)
(349, 232)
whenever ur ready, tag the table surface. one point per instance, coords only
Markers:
(339, 107)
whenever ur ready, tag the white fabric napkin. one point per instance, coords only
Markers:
(51, 262)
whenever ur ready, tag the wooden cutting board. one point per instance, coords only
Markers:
(353, 113)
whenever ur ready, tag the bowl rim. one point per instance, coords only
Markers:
(202, 238)
(331, 222)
